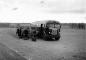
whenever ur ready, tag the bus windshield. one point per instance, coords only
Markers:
(57, 26)
(54, 26)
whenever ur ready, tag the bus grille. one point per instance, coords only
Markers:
(54, 32)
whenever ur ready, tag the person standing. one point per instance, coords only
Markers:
(41, 31)
(19, 32)
(34, 36)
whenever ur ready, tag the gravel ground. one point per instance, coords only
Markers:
(8, 54)
(71, 46)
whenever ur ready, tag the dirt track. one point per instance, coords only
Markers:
(71, 46)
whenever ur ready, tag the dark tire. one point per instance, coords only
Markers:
(57, 38)
(47, 38)
(33, 39)
(20, 37)
(25, 38)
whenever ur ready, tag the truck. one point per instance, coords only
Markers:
(51, 30)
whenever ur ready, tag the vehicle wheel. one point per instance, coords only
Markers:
(25, 38)
(33, 39)
(57, 38)
(47, 38)
(20, 37)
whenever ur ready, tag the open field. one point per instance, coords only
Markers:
(71, 46)
(8, 54)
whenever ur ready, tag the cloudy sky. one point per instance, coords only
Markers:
(26, 11)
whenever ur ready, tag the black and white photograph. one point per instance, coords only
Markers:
(42, 29)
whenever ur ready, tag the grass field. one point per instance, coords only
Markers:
(71, 46)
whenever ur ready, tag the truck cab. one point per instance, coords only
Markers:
(52, 30)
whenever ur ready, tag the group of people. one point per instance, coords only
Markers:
(22, 33)
(26, 34)
(42, 30)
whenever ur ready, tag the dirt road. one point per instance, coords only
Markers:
(71, 46)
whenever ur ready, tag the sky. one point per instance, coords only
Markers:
(26, 11)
